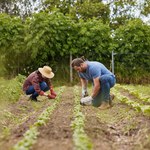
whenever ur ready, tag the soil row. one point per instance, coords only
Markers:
(118, 128)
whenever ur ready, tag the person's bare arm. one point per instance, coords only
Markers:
(84, 87)
(83, 83)
(96, 87)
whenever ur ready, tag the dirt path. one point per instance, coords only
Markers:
(57, 134)
(25, 111)
(118, 128)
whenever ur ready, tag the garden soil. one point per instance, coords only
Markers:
(117, 128)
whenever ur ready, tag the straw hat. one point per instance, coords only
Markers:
(46, 71)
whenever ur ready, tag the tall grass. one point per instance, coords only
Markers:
(10, 89)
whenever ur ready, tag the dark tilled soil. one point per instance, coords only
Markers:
(23, 106)
(129, 130)
(57, 134)
(117, 128)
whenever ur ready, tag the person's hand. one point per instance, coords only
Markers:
(84, 92)
(52, 91)
(86, 100)
(41, 93)
(51, 96)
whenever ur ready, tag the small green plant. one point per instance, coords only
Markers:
(81, 140)
(31, 135)
(5, 132)
(11, 89)
(139, 107)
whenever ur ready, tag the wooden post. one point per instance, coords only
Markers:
(71, 74)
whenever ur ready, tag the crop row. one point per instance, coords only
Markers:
(135, 93)
(31, 135)
(139, 107)
(81, 140)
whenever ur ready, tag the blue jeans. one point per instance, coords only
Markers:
(43, 85)
(106, 82)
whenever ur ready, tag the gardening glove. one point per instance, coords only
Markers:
(84, 92)
(86, 100)
(41, 93)
(52, 91)
(51, 96)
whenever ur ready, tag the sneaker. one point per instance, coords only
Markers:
(33, 99)
(104, 105)
(112, 96)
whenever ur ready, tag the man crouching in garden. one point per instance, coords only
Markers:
(102, 80)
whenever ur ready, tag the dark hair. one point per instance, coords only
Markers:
(77, 61)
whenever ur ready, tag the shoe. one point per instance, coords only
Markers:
(105, 105)
(33, 99)
(112, 96)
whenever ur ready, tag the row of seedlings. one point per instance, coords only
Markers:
(145, 109)
(80, 139)
(30, 135)
(135, 93)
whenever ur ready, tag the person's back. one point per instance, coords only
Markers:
(97, 65)
(29, 80)
(38, 82)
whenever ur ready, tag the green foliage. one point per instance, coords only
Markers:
(12, 43)
(11, 32)
(131, 43)
(28, 140)
(48, 38)
(30, 135)
(123, 10)
(93, 40)
(80, 138)
(90, 9)
(137, 93)
(57, 36)
(146, 9)
(17, 7)
(79, 9)
(11, 89)
(145, 109)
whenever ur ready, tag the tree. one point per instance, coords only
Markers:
(83, 9)
(91, 9)
(12, 43)
(131, 43)
(21, 8)
(125, 10)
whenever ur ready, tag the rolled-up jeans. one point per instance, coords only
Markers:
(43, 86)
(106, 82)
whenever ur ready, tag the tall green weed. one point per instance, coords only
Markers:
(11, 89)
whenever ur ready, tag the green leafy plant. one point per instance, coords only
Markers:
(138, 94)
(145, 109)
(31, 135)
(80, 138)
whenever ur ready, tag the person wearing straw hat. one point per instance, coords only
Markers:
(102, 80)
(38, 82)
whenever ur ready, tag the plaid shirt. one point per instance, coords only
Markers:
(34, 79)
